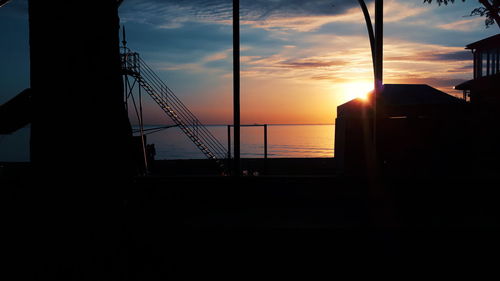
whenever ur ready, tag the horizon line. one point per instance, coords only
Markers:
(252, 124)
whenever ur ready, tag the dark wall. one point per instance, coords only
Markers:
(80, 140)
(414, 141)
(80, 125)
(16, 113)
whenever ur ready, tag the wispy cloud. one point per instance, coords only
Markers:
(294, 15)
(342, 62)
(218, 56)
(311, 63)
(468, 24)
(396, 11)
(453, 56)
(171, 13)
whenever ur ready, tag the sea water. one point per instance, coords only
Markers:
(283, 141)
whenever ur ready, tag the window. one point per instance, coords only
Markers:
(496, 61)
(485, 63)
(493, 60)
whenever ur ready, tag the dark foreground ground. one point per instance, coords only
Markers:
(305, 225)
(249, 166)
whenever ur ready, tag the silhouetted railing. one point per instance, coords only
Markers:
(191, 126)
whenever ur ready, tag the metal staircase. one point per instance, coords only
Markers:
(134, 66)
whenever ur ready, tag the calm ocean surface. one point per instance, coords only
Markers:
(284, 141)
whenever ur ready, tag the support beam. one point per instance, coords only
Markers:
(229, 142)
(379, 66)
(379, 43)
(265, 141)
(236, 87)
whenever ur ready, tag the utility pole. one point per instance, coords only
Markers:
(376, 45)
(382, 211)
(379, 42)
(379, 68)
(236, 86)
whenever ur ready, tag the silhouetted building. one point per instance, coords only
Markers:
(484, 89)
(418, 130)
(421, 131)
(484, 93)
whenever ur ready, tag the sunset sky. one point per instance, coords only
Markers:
(300, 59)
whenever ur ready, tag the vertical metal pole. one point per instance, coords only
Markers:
(371, 36)
(228, 142)
(383, 211)
(125, 91)
(141, 128)
(236, 86)
(265, 141)
(379, 43)
(124, 42)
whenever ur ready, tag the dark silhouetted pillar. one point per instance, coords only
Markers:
(379, 66)
(80, 139)
(236, 86)
(80, 126)
(379, 42)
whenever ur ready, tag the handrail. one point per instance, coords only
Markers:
(173, 106)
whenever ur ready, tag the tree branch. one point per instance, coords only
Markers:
(493, 11)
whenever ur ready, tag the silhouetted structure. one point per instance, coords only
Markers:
(135, 69)
(90, 232)
(484, 93)
(77, 91)
(484, 89)
(16, 113)
(81, 139)
(423, 132)
(418, 128)
(236, 88)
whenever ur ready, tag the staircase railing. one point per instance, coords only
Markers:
(190, 125)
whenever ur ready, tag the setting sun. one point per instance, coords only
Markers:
(355, 90)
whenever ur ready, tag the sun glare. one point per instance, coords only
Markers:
(359, 90)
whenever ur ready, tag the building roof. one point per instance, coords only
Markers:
(485, 82)
(415, 94)
(492, 41)
(404, 99)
